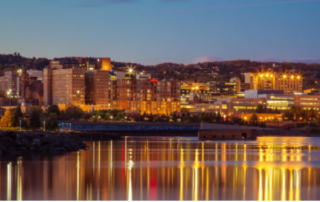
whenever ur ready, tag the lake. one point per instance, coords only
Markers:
(182, 168)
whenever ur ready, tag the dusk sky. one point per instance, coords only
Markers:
(157, 31)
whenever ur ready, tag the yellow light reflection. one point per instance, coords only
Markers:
(9, 170)
(78, 176)
(19, 180)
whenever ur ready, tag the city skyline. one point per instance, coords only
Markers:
(152, 32)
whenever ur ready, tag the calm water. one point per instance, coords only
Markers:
(271, 168)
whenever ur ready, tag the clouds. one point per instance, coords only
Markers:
(206, 59)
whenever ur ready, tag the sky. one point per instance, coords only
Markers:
(157, 31)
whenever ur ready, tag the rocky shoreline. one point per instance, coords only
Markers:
(17, 143)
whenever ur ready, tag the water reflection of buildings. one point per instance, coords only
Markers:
(169, 169)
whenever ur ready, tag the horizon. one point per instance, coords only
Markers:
(160, 31)
(266, 61)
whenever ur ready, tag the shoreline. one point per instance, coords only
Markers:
(28, 143)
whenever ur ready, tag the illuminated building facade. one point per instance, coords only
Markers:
(147, 96)
(205, 92)
(223, 87)
(307, 102)
(81, 63)
(68, 86)
(289, 83)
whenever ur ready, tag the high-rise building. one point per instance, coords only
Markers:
(289, 83)
(78, 81)
(97, 88)
(147, 96)
(68, 87)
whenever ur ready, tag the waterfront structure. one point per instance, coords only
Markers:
(290, 83)
(148, 96)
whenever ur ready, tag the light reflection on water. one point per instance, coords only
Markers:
(271, 168)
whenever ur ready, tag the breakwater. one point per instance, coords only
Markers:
(16, 143)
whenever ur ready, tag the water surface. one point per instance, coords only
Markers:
(270, 168)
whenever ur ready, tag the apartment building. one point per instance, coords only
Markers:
(147, 96)
(97, 88)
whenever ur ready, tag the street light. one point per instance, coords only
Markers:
(9, 95)
(44, 123)
(20, 120)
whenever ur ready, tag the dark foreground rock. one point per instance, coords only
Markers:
(14, 143)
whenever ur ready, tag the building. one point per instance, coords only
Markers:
(68, 86)
(290, 83)
(81, 63)
(307, 102)
(223, 87)
(63, 86)
(206, 92)
(10, 84)
(78, 81)
(142, 75)
(147, 96)
(97, 88)
(237, 81)
(35, 74)
(117, 75)
(312, 91)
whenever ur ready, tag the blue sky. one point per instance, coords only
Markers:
(156, 31)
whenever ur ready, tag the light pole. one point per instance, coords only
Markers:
(77, 96)
(44, 123)
(9, 95)
(20, 120)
